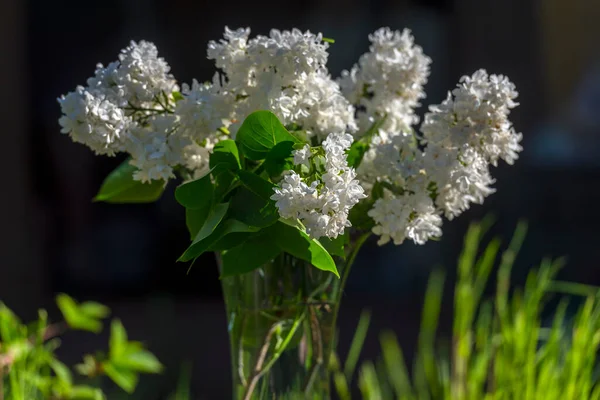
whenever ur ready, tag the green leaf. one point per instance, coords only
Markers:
(356, 153)
(300, 135)
(256, 184)
(124, 378)
(224, 162)
(88, 367)
(194, 219)
(248, 256)
(62, 372)
(300, 245)
(335, 247)
(10, 325)
(210, 224)
(252, 209)
(328, 40)
(200, 246)
(231, 240)
(94, 310)
(81, 392)
(177, 96)
(118, 340)
(196, 194)
(120, 187)
(252, 202)
(225, 155)
(259, 133)
(279, 158)
(139, 361)
(75, 317)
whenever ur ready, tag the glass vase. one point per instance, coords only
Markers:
(281, 323)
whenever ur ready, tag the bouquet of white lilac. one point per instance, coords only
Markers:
(286, 172)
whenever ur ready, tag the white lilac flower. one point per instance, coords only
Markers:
(145, 75)
(321, 107)
(388, 80)
(475, 114)
(302, 156)
(460, 138)
(285, 73)
(94, 120)
(322, 206)
(468, 181)
(335, 147)
(202, 110)
(155, 150)
(228, 53)
(400, 217)
(109, 81)
(196, 158)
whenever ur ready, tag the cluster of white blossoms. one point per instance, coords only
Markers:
(445, 168)
(285, 73)
(441, 170)
(322, 206)
(387, 81)
(128, 106)
(134, 105)
(412, 176)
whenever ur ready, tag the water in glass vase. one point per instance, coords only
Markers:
(281, 327)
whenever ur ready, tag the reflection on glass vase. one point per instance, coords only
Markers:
(281, 322)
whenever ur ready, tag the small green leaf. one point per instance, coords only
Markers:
(194, 219)
(248, 256)
(62, 372)
(328, 40)
(300, 245)
(196, 194)
(124, 378)
(81, 392)
(252, 209)
(225, 155)
(88, 367)
(10, 325)
(259, 133)
(120, 187)
(256, 184)
(252, 202)
(177, 96)
(75, 317)
(279, 158)
(212, 221)
(224, 163)
(94, 310)
(200, 246)
(301, 137)
(336, 246)
(356, 153)
(231, 240)
(118, 340)
(139, 361)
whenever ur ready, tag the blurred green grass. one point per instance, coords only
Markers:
(500, 348)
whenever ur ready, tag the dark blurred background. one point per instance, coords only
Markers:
(55, 239)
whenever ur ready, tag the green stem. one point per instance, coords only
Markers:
(259, 370)
(317, 341)
(351, 258)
